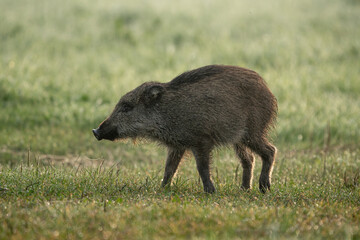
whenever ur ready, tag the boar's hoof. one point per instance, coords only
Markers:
(209, 188)
(264, 185)
(245, 187)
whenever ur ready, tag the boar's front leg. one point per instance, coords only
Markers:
(202, 156)
(172, 163)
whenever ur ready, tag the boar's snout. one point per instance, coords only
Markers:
(106, 130)
(96, 134)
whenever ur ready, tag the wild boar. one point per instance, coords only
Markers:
(198, 110)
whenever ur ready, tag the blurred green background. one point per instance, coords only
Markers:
(65, 64)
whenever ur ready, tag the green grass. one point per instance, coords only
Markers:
(314, 196)
(64, 65)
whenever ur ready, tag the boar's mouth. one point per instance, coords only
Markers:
(107, 134)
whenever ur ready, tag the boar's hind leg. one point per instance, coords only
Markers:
(267, 153)
(247, 162)
(172, 163)
(202, 157)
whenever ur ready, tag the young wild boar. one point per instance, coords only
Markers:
(199, 110)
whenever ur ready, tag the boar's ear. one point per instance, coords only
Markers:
(152, 94)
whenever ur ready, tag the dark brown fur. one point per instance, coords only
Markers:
(199, 110)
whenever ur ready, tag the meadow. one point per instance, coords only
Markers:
(65, 64)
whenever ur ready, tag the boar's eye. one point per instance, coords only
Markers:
(126, 107)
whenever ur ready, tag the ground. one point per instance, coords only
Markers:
(65, 64)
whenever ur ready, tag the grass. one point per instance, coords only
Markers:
(64, 64)
(314, 196)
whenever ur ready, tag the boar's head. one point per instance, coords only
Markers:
(135, 115)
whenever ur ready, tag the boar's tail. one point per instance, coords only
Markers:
(273, 112)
